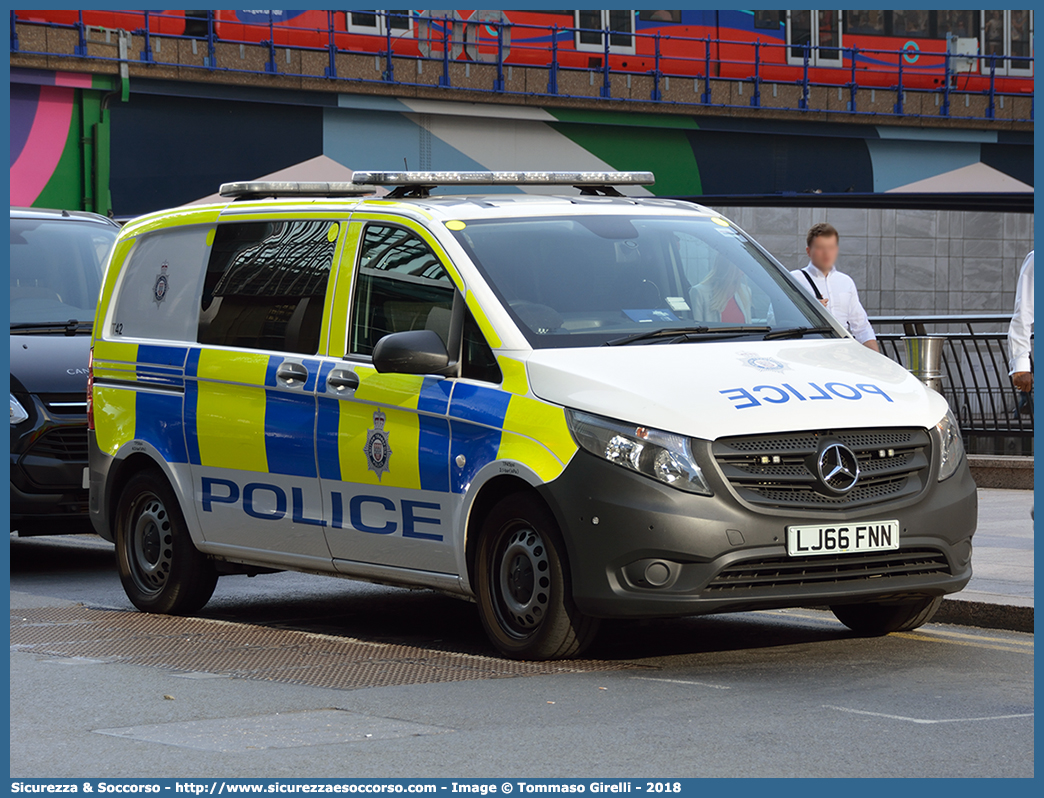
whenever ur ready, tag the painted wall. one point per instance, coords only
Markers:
(54, 122)
(245, 134)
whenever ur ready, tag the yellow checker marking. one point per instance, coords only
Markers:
(112, 272)
(483, 321)
(395, 395)
(403, 428)
(341, 290)
(230, 410)
(514, 372)
(115, 351)
(535, 433)
(114, 417)
(394, 390)
(173, 219)
(279, 214)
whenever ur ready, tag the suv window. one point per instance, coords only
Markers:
(266, 284)
(400, 285)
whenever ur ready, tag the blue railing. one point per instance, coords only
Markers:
(438, 33)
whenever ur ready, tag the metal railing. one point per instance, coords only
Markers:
(697, 64)
(994, 417)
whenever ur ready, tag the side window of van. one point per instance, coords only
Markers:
(477, 360)
(400, 285)
(266, 284)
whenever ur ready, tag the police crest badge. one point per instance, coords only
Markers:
(159, 290)
(377, 449)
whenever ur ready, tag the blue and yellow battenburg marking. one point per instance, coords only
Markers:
(206, 407)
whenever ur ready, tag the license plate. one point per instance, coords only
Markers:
(849, 538)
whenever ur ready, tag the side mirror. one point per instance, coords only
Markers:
(411, 352)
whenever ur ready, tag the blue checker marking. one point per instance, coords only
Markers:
(191, 434)
(158, 421)
(192, 362)
(326, 438)
(270, 370)
(479, 445)
(479, 404)
(324, 371)
(313, 372)
(162, 355)
(434, 395)
(289, 433)
(433, 453)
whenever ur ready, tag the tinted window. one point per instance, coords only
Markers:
(959, 23)
(477, 360)
(767, 19)
(664, 16)
(56, 269)
(865, 23)
(584, 280)
(400, 285)
(266, 284)
(911, 23)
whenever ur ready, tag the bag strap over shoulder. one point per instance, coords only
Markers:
(812, 283)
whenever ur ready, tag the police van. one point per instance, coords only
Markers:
(565, 406)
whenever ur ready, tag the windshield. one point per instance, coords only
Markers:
(589, 280)
(56, 269)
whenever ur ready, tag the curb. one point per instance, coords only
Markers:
(985, 616)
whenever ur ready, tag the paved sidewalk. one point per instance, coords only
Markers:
(1000, 593)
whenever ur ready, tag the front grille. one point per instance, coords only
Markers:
(780, 470)
(65, 404)
(789, 572)
(68, 444)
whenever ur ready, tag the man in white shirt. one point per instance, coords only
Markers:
(1021, 329)
(835, 290)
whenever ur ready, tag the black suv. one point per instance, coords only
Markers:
(57, 260)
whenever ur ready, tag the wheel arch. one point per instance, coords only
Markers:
(492, 491)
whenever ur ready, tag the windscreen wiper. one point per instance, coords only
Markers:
(70, 327)
(796, 332)
(679, 334)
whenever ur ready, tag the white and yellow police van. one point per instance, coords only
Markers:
(564, 407)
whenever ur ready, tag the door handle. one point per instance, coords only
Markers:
(343, 380)
(292, 373)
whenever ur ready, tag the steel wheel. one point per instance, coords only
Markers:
(524, 587)
(160, 567)
(149, 543)
(522, 583)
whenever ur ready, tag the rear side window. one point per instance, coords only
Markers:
(400, 285)
(158, 293)
(266, 284)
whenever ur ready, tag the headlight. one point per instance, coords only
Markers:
(664, 456)
(18, 414)
(952, 448)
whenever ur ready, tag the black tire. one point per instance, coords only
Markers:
(873, 619)
(522, 579)
(161, 569)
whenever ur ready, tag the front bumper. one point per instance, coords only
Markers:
(48, 457)
(638, 548)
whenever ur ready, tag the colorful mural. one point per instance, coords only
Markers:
(49, 123)
(244, 134)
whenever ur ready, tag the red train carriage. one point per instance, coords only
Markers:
(779, 46)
